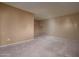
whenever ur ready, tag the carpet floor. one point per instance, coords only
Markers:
(43, 46)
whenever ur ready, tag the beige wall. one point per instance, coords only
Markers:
(64, 26)
(15, 24)
(39, 27)
(36, 27)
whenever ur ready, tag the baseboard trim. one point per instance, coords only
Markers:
(19, 42)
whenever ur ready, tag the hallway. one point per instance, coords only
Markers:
(44, 46)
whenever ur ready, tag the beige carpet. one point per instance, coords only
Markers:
(43, 46)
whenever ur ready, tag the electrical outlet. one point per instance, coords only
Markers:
(8, 39)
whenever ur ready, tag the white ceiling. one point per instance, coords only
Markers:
(47, 10)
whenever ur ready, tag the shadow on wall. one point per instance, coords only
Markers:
(39, 27)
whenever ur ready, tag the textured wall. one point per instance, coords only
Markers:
(15, 24)
(65, 26)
